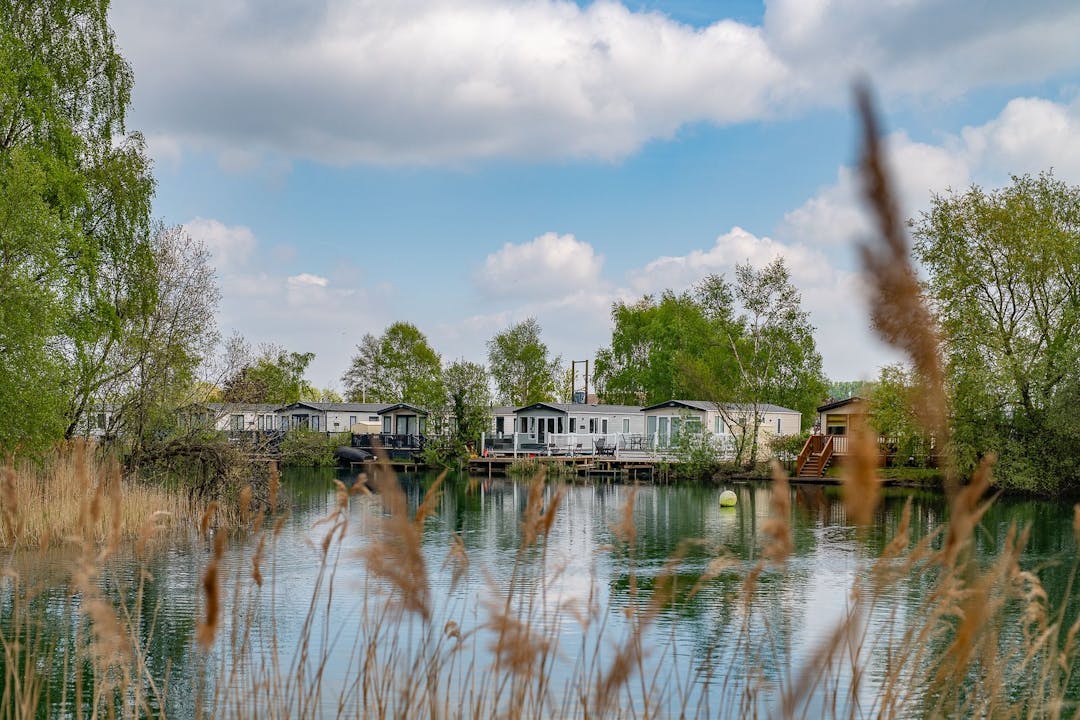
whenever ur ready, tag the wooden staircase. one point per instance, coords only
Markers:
(815, 457)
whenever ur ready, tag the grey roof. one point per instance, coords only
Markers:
(840, 403)
(707, 406)
(240, 407)
(593, 408)
(403, 406)
(338, 407)
(503, 410)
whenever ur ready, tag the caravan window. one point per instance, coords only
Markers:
(626, 425)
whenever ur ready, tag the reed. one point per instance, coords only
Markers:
(511, 646)
(46, 503)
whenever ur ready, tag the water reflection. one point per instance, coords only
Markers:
(700, 641)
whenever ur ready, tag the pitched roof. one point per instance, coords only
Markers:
(337, 407)
(583, 408)
(706, 406)
(402, 406)
(840, 403)
(218, 407)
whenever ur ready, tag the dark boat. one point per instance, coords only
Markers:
(346, 455)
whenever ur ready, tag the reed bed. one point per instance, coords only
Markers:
(45, 503)
(513, 647)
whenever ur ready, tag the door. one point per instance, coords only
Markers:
(662, 430)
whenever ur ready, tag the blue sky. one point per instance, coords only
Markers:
(466, 164)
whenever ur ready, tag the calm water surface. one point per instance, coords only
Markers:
(694, 650)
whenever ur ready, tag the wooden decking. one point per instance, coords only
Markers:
(582, 465)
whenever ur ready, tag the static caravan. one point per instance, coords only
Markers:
(835, 418)
(573, 428)
(241, 417)
(664, 422)
(403, 419)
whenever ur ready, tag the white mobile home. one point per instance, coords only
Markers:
(234, 417)
(359, 418)
(665, 421)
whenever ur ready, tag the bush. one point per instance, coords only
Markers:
(304, 448)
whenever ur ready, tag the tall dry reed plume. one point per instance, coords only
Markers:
(397, 557)
(898, 308)
(212, 599)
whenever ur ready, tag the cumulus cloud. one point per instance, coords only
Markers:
(436, 81)
(547, 266)
(230, 246)
(305, 312)
(920, 47)
(307, 280)
(1028, 136)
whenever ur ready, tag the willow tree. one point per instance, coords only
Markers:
(76, 262)
(1004, 277)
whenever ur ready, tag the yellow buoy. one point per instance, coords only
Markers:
(728, 499)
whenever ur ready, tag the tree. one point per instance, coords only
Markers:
(276, 376)
(892, 413)
(1004, 280)
(398, 366)
(468, 399)
(519, 362)
(156, 362)
(76, 263)
(771, 339)
(660, 349)
(362, 381)
(844, 389)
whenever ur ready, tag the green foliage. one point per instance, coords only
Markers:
(1002, 268)
(276, 376)
(76, 262)
(786, 447)
(661, 349)
(303, 448)
(327, 395)
(892, 415)
(844, 389)
(468, 405)
(519, 362)
(398, 366)
(770, 337)
(697, 455)
(741, 344)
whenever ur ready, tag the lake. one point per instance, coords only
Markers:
(718, 649)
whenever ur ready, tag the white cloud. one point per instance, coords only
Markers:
(230, 245)
(547, 266)
(1028, 136)
(437, 81)
(835, 215)
(307, 280)
(931, 48)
